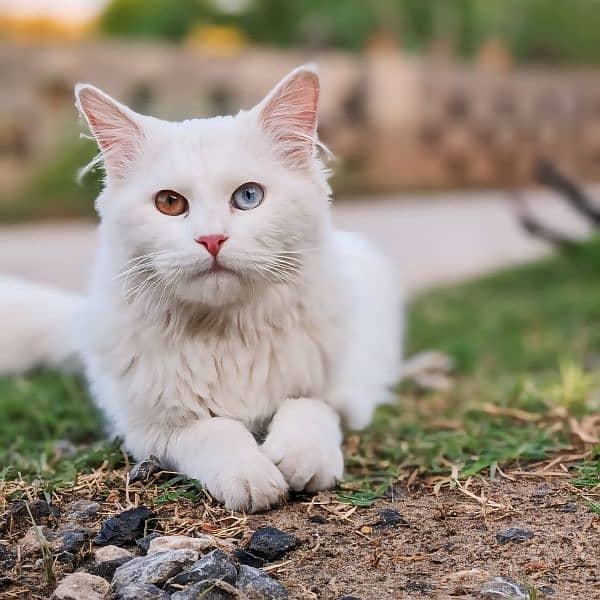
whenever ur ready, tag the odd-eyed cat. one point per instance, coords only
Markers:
(223, 308)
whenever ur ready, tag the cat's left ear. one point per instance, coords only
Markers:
(289, 115)
(115, 127)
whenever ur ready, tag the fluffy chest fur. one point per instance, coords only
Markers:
(239, 363)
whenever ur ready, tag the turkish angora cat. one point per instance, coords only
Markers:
(223, 307)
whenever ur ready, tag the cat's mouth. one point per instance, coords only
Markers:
(215, 269)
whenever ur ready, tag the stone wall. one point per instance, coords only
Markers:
(393, 121)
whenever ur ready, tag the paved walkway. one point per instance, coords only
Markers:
(434, 239)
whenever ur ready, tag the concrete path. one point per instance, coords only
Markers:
(434, 239)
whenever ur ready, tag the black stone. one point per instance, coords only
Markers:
(390, 518)
(74, 539)
(39, 509)
(65, 558)
(257, 585)
(144, 543)
(106, 568)
(271, 543)
(321, 520)
(214, 565)
(515, 535)
(6, 582)
(247, 558)
(145, 470)
(209, 589)
(140, 591)
(124, 529)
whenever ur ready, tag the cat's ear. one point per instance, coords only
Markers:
(288, 115)
(116, 128)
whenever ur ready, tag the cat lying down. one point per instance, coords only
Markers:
(222, 308)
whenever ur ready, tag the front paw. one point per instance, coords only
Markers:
(306, 466)
(252, 483)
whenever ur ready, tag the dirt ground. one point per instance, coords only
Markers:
(448, 546)
(444, 546)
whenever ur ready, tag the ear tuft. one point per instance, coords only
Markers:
(114, 126)
(289, 115)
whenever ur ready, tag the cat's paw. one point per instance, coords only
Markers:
(251, 484)
(306, 466)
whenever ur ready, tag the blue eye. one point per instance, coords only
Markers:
(248, 196)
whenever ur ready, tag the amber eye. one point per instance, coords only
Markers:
(171, 203)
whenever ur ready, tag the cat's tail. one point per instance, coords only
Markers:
(37, 327)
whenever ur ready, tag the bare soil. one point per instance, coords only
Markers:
(446, 546)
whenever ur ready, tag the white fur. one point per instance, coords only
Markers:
(187, 366)
(36, 327)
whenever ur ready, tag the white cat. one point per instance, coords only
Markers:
(222, 307)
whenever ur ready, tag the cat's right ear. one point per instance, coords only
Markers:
(115, 127)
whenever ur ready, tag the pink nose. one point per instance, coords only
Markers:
(212, 243)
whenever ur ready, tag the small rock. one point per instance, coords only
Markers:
(419, 586)
(81, 510)
(569, 507)
(199, 544)
(6, 582)
(65, 558)
(449, 546)
(7, 558)
(144, 543)
(154, 568)
(320, 519)
(107, 559)
(515, 535)
(73, 539)
(257, 585)
(31, 542)
(125, 528)
(144, 470)
(82, 586)
(465, 581)
(112, 553)
(247, 558)
(549, 591)
(215, 565)
(40, 510)
(210, 589)
(271, 543)
(541, 491)
(349, 598)
(140, 591)
(503, 589)
(390, 518)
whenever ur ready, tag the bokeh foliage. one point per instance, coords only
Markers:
(547, 30)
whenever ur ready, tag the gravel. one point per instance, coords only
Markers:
(270, 543)
(125, 528)
(154, 568)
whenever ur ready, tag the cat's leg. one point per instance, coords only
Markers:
(224, 456)
(304, 441)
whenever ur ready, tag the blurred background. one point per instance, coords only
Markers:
(437, 111)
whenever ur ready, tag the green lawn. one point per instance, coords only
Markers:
(526, 340)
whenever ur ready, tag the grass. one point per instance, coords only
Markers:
(526, 344)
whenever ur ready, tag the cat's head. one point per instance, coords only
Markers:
(208, 209)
